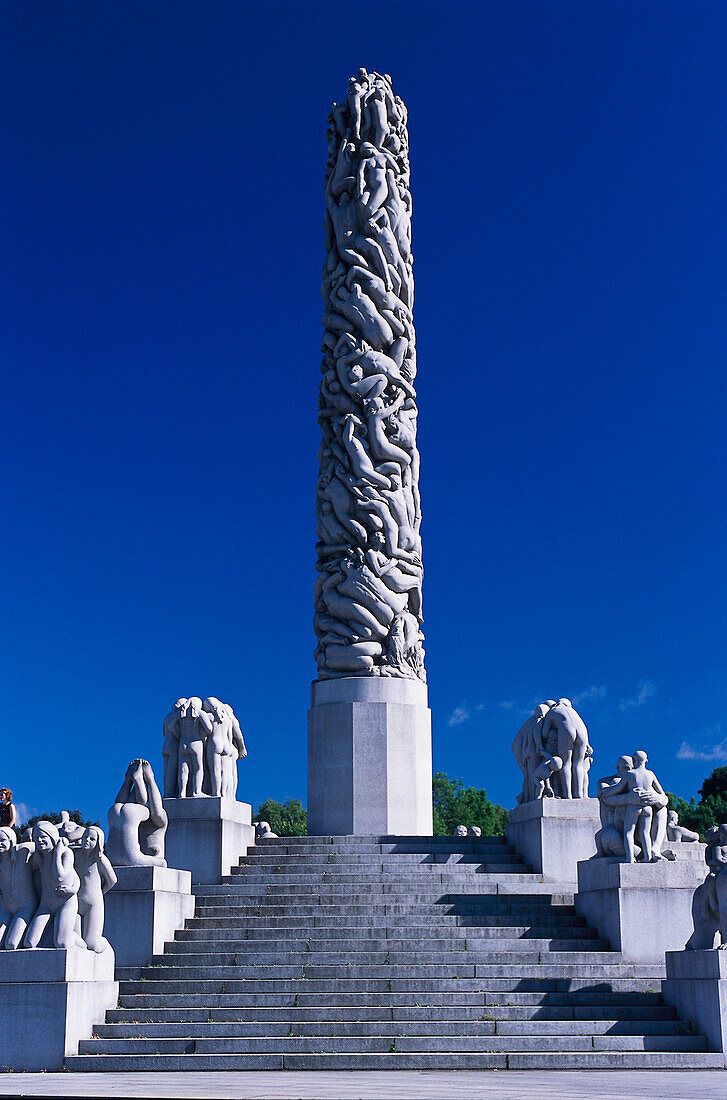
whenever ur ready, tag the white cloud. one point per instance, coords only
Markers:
(597, 691)
(646, 691)
(458, 716)
(715, 753)
(507, 704)
(24, 812)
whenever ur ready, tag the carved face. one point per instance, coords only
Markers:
(43, 842)
(5, 841)
(90, 841)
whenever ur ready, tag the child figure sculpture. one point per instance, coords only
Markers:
(18, 899)
(59, 886)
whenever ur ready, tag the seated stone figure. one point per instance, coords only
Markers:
(97, 878)
(18, 897)
(137, 820)
(264, 832)
(709, 904)
(59, 886)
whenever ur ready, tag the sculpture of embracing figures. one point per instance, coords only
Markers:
(201, 747)
(553, 753)
(634, 815)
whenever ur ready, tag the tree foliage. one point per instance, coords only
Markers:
(454, 804)
(711, 808)
(285, 818)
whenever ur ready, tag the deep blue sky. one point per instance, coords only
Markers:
(162, 245)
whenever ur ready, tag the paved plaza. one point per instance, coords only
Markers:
(398, 1085)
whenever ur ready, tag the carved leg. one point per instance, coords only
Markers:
(17, 928)
(64, 925)
(37, 927)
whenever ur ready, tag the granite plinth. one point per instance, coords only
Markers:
(369, 757)
(207, 836)
(696, 985)
(554, 834)
(642, 909)
(145, 909)
(51, 999)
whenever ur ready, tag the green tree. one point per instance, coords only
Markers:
(454, 804)
(285, 818)
(75, 815)
(711, 808)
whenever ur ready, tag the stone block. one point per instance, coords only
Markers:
(642, 909)
(554, 834)
(51, 1000)
(369, 757)
(696, 985)
(207, 836)
(145, 909)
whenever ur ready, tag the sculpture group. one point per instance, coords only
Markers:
(52, 887)
(201, 747)
(553, 753)
(368, 594)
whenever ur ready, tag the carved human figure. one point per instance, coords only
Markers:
(264, 832)
(195, 726)
(170, 749)
(137, 820)
(474, 830)
(59, 886)
(18, 897)
(709, 904)
(528, 751)
(644, 820)
(676, 833)
(542, 776)
(563, 733)
(461, 830)
(97, 878)
(223, 747)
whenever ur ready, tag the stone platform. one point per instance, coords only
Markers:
(383, 952)
(144, 910)
(207, 835)
(554, 834)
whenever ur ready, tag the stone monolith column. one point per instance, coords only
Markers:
(369, 728)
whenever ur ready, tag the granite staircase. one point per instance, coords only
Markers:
(389, 952)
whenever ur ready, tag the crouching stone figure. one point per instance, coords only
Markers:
(709, 905)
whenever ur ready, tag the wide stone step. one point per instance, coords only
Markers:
(275, 906)
(414, 923)
(198, 953)
(232, 935)
(422, 885)
(647, 1015)
(329, 872)
(439, 1028)
(509, 1004)
(390, 843)
(420, 984)
(410, 862)
(382, 1044)
(507, 967)
(582, 1060)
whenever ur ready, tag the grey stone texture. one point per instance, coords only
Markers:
(554, 834)
(553, 753)
(368, 598)
(147, 906)
(345, 953)
(696, 984)
(642, 909)
(51, 998)
(369, 757)
(207, 835)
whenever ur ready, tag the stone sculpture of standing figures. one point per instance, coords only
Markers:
(633, 809)
(137, 820)
(59, 886)
(553, 752)
(18, 897)
(202, 744)
(97, 878)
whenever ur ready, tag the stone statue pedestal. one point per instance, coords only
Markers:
(369, 757)
(696, 985)
(642, 909)
(144, 910)
(554, 834)
(51, 999)
(207, 836)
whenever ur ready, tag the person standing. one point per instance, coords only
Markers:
(7, 809)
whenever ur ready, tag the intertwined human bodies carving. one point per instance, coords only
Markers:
(368, 602)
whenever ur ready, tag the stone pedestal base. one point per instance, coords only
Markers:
(642, 909)
(553, 834)
(696, 984)
(207, 836)
(50, 1000)
(144, 910)
(369, 757)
